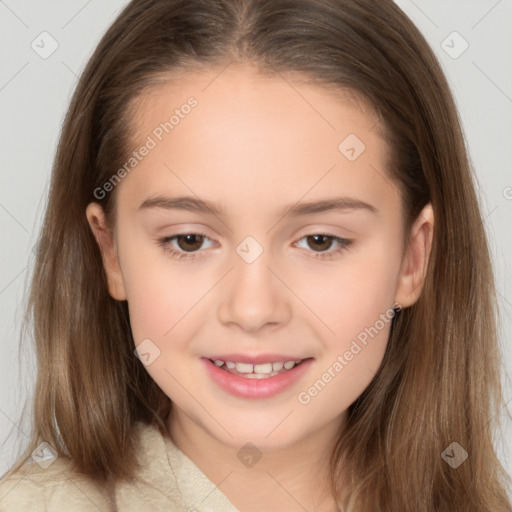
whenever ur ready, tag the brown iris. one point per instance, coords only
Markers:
(327, 241)
(192, 242)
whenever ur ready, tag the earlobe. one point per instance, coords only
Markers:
(416, 258)
(97, 222)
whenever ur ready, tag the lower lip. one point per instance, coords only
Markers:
(256, 388)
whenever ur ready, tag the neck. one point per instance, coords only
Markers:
(293, 477)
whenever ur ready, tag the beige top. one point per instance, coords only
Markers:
(167, 481)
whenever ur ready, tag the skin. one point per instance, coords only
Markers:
(254, 144)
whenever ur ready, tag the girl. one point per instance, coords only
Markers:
(263, 281)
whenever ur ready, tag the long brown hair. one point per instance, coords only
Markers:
(439, 381)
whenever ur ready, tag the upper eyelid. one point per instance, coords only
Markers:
(310, 233)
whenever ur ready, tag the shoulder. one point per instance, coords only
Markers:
(56, 487)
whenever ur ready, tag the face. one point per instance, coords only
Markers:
(289, 248)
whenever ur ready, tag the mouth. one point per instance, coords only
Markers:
(256, 378)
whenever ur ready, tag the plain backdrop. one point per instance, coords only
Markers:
(472, 38)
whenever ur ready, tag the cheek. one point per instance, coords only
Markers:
(356, 305)
(160, 299)
(163, 302)
(351, 293)
(159, 289)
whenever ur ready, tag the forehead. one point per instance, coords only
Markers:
(255, 134)
(246, 87)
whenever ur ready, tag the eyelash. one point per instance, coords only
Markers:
(179, 255)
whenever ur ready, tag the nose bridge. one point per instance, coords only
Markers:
(253, 296)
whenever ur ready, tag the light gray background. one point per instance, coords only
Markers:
(34, 93)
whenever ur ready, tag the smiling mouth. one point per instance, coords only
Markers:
(257, 371)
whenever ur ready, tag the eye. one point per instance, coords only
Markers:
(185, 243)
(324, 242)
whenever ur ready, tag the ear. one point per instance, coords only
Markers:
(104, 237)
(416, 257)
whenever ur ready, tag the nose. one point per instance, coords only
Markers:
(253, 298)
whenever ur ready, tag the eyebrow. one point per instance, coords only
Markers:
(194, 204)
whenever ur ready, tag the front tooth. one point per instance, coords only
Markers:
(277, 366)
(218, 362)
(289, 365)
(244, 368)
(230, 364)
(263, 368)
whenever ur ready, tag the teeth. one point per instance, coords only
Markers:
(263, 368)
(257, 371)
(244, 368)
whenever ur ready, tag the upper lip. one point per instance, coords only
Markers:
(255, 359)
